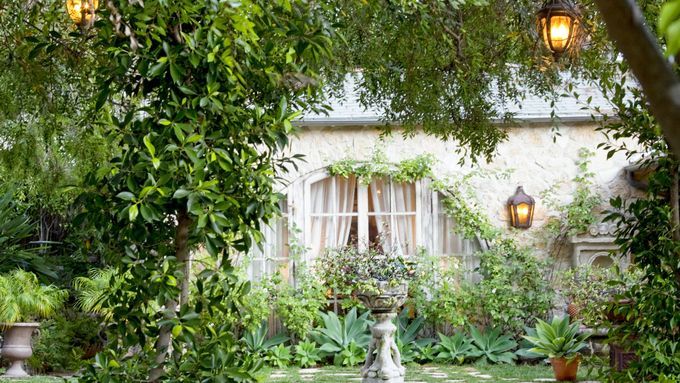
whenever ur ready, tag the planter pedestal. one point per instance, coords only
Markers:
(16, 347)
(385, 366)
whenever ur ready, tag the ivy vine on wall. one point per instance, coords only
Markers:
(409, 170)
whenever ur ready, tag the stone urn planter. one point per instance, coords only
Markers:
(16, 347)
(385, 366)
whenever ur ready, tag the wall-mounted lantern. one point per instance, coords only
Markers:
(82, 12)
(558, 25)
(521, 209)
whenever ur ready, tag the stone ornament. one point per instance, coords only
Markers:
(16, 347)
(386, 366)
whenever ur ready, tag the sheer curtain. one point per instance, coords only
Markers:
(346, 191)
(379, 193)
(404, 230)
(332, 203)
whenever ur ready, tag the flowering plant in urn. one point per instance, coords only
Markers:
(365, 273)
(380, 280)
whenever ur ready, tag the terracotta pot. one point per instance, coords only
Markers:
(16, 347)
(564, 369)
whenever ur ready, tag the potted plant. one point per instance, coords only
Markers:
(381, 280)
(378, 278)
(561, 342)
(23, 300)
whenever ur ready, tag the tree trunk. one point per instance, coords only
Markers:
(675, 203)
(626, 26)
(184, 260)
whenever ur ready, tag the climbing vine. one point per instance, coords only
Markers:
(378, 166)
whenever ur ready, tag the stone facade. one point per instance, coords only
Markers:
(537, 157)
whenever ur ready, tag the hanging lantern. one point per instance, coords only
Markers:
(521, 208)
(82, 12)
(558, 25)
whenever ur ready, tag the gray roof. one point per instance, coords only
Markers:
(349, 111)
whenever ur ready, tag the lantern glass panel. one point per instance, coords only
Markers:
(523, 214)
(560, 32)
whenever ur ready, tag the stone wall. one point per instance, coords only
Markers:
(539, 160)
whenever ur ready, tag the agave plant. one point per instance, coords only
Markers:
(23, 298)
(307, 354)
(407, 332)
(525, 346)
(454, 348)
(338, 336)
(557, 339)
(492, 347)
(257, 343)
(426, 354)
(279, 356)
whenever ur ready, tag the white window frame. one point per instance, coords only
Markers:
(299, 215)
(305, 214)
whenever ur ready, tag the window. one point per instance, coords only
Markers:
(273, 256)
(342, 211)
(333, 211)
(453, 246)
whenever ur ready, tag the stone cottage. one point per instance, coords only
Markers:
(324, 211)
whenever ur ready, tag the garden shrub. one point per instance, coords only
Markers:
(592, 288)
(64, 341)
(514, 289)
(439, 294)
(646, 229)
(298, 306)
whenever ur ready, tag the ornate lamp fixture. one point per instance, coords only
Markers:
(521, 208)
(558, 25)
(82, 12)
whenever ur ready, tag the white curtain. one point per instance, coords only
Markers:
(345, 190)
(334, 198)
(379, 193)
(320, 204)
(404, 231)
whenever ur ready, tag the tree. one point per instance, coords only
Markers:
(199, 97)
(195, 100)
(626, 26)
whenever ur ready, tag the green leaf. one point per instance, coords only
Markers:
(133, 212)
(176, 73)
(126, 196)
(149, 145)
(670, 12)
(176, 330)
(180, 193)
(157, 69)
(673, 38)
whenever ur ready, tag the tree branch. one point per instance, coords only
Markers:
(626, 27)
